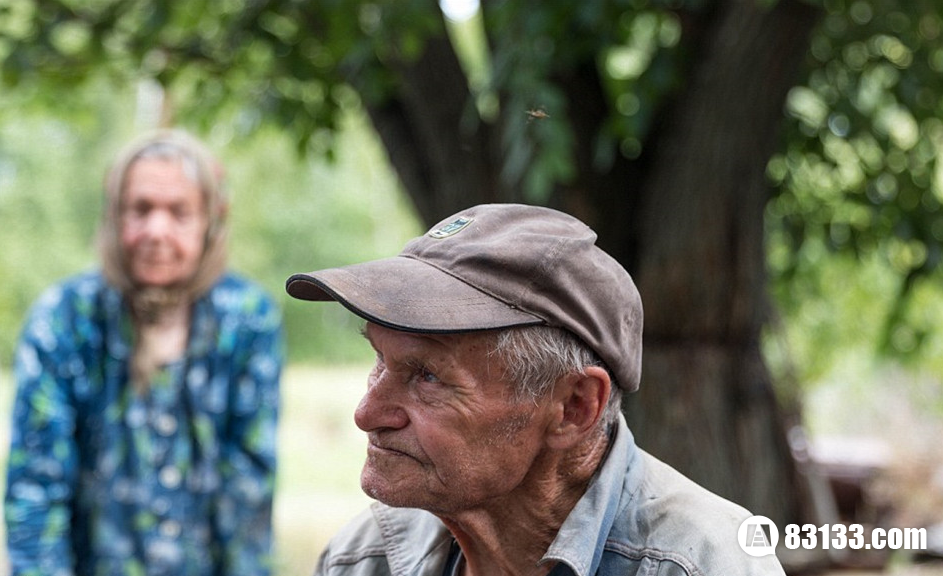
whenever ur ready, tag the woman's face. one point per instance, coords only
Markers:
(163, 223)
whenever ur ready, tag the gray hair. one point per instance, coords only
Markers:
(535, 357)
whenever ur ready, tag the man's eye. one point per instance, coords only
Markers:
(427, 376)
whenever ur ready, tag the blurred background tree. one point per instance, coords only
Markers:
(724, 150)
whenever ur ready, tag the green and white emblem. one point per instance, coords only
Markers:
(452, 228)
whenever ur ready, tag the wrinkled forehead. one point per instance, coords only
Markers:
(463, 361)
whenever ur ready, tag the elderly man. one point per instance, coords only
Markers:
(504, 340)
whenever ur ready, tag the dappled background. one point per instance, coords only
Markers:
(778, 202)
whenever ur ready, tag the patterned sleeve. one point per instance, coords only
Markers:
(244, 508)
(43, 462)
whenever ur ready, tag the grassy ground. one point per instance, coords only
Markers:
(321, 452)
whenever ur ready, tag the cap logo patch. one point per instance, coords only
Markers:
(452, 228)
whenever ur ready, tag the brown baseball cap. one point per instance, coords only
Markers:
(497, 266)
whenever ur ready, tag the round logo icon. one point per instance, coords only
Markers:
(758, 536)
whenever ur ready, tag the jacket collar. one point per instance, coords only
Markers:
(415, 541)
(581, 539)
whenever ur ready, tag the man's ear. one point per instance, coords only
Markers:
(580, 401)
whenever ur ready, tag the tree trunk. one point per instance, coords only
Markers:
(706, 404)
(686, 220)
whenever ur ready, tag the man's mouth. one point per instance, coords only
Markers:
(388, 449)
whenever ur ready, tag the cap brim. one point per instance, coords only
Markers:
(410, 295)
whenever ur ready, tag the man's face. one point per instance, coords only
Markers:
(444, 433)
(163, 223)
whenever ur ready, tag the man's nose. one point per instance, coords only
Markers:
(381, 407)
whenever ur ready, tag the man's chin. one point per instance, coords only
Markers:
(382, 490)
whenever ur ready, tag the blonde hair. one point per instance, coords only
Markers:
(149, 303)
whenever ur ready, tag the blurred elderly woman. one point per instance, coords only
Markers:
(143, 430)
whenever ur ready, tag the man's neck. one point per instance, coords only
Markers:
(510, 535)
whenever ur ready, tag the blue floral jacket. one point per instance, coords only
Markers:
(179, 479)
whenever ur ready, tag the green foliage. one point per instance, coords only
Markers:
(640, 71)
(49, 195)
(834, 314)
(634, 43)
(288, 62)
(860, 171)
